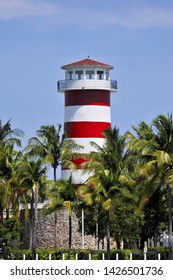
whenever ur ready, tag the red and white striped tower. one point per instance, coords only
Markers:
(87, 87)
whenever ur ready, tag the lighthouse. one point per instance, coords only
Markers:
(87, 112)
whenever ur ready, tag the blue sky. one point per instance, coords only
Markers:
(37, 37)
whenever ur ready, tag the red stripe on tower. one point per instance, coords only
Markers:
(90, 97)
(85, 129)
(87, 88)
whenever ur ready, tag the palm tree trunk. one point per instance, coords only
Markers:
(170, 221)
(97, 230)
(83, 229)
(55, 214)
(143, 238)
(35, 220)
(54, 173)
(7, 213)
(70, 235)
(32, 227)
(108, 234)
(97, 235)
(1, 216)
(31, 217)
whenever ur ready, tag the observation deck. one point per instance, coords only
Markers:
(84, 84)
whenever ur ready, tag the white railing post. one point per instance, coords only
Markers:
(145, 256)
(63, 257)
(116, 256)
(36, 257)
(24, 257)
(131, 256)
(76, 256)
(158, 256)
(50, 257)
(89, 256)
(103, 256)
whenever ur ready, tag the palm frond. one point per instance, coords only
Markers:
(169, 178)
(162, 158)
(107, 204)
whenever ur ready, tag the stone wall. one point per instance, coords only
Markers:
(46, 231)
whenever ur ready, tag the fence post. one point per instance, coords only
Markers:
(63, 257)
(131, 256)
(76, 256)
(50, 257)
(24, 257)
(103, 256)
(158, 256)
(89, 256)
(36, 257)
(117, 256)
(145, 256)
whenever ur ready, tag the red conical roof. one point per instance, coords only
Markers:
(87, 62)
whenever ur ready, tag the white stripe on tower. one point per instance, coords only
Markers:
(78, 176)
(87, 113)
(86, 144)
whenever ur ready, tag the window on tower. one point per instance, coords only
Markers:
(70, 75)
(107, 75)
(89, 74)
(79, 74)
(100, 75)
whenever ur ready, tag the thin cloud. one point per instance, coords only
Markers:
(15, 9)
(148, 17)
(50, 14)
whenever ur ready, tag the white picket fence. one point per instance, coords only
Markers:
(90, 256)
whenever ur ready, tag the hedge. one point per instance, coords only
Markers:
(58, 254)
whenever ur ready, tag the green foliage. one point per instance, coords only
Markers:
(126, 179)
(9, 236)
(152, 254)
(163, 252)
(126, 225)
(122, 254)
(83, 254)
(59, 254)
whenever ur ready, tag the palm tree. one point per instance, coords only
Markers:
(51, 146)
(9, 190)
(164, 157)
(152, 151)
(8, 157)
(53, 149)
(106, 186)
(32, 177)
(61, 193)
(9, 136)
